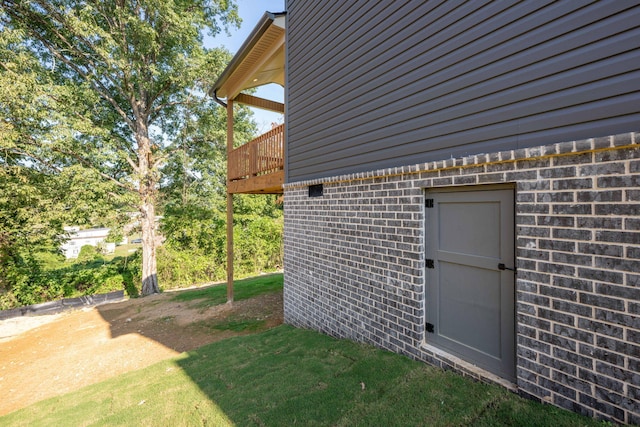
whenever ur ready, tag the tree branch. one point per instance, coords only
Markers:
(24, 152)
(56, 51)
(88, 164)
(132, 164)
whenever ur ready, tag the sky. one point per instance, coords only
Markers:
(251, 11)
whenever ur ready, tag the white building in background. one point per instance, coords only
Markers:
(79, 238)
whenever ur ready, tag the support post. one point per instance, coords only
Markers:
(229, 206)
(229, 248)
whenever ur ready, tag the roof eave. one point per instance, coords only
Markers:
(263, 25)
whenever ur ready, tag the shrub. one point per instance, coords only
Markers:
(30, 284)
(258, 245)
(180, 268)
(89, 253)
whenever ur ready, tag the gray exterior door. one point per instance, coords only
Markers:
(470, 289)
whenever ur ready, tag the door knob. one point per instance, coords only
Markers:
(501, 266)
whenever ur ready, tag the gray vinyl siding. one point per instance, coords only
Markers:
(378, 84)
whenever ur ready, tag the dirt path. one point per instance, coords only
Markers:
(46, 356)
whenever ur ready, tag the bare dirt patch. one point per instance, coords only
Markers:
(45, 356)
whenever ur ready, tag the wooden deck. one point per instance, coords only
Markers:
(258, 166)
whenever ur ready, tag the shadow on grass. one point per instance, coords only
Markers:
(185, 319)
(286, 376)
(289, 376)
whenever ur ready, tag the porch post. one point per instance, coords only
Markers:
(229, 206)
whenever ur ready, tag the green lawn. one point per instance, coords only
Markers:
(123, 251)
(242, 289)
(286, 377)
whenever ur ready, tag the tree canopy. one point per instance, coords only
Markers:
(111, 91)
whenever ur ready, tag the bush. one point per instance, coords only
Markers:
(89, 253)
(181, 268)
(258, 245)
(195, 253)
(30, 284)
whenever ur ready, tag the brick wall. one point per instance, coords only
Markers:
(354, 262)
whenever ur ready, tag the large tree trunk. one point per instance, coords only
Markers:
(147, 191)
(149, 270)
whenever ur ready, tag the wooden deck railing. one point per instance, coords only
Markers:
(261, 156)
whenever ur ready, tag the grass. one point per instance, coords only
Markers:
(286, 377)
(122, 251)
(242, 289)
(239, 325)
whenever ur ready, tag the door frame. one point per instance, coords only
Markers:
(429, 275)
